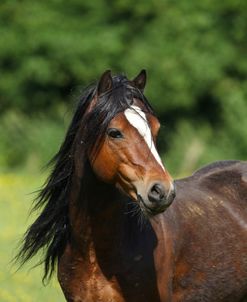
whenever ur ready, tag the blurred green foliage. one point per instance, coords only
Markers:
(194, 52)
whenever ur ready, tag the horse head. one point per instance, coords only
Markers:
(126, 155)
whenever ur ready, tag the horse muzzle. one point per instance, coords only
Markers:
(157, 199)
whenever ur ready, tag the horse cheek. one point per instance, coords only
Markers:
(105, 165)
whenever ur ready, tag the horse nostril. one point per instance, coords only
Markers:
(156, 193)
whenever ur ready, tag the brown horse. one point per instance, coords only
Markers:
(111, 220)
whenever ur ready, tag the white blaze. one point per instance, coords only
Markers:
(137, 119)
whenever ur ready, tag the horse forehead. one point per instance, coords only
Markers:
(137, 118)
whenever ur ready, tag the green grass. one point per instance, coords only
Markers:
(24, 285)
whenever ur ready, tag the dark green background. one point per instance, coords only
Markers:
(195, 53)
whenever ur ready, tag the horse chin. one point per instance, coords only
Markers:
(148, 211)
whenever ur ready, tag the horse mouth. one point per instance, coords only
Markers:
(150, 211)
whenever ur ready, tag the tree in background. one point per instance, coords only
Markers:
(194, 52)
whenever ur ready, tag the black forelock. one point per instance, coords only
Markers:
(108, 105)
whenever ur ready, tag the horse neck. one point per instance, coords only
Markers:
(96, 214)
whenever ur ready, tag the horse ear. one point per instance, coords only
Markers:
(105, 82)
(140, 80)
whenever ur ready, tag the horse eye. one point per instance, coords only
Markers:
(114, 133)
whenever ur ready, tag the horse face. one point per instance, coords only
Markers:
(127, 158)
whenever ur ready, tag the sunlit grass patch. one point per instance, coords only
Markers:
(25, 284)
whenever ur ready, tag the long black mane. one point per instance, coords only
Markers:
(50, 231)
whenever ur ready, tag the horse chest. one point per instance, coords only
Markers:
(87, 281)
(97, 288)
(84, 281)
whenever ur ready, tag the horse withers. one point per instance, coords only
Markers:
(112, 223)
